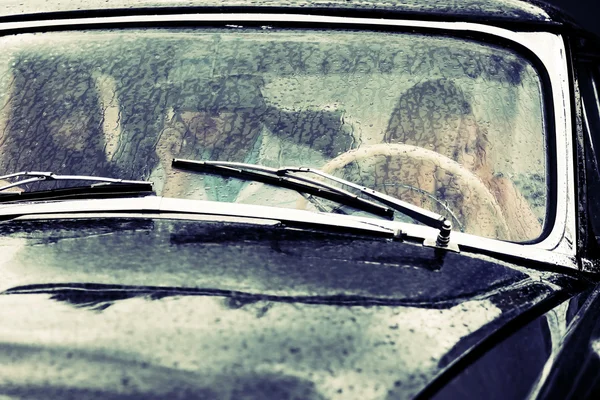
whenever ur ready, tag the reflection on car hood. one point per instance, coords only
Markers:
(336, 351)
(218, 310)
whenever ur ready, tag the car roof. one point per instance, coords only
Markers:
(530, 11)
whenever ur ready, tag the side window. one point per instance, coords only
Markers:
(590, 96)
(589, 84)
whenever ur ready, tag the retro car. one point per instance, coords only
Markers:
(298, 199)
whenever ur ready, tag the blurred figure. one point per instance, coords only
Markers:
(221, 121)
(227, 119)
(436, 115)
(52, 120)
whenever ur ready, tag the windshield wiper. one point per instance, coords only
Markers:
(105, 187)
(271, 176)
(286, 177)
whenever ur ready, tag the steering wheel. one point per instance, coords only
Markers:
(478, 190)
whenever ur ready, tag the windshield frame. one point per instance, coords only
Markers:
(545, 50)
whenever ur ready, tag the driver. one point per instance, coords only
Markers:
(437, 115)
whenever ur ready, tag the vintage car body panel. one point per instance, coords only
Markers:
(219, 309)
(572, 369)
(154, 299)
(219, 347)
(503, 10)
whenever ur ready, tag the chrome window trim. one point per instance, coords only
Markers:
(558, 247)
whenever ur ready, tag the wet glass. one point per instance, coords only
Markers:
(453, 125)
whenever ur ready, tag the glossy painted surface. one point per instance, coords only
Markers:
(231, 310)
(267, 261)
(497, 9)
(511, 366)
(573, 370)
(223, 309)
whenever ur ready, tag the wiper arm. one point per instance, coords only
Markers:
(37, 176)
(105, 187)
(271, 176)
(279, 175)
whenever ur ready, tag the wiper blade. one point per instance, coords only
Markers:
(105, 187)
(37, 176)
(271, 176)
(284, 176)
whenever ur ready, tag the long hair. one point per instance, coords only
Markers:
(53, 120)
(437, 115)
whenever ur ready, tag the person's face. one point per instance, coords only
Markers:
(207, 129)
(459, 141)
(198, 135)
(190, 131)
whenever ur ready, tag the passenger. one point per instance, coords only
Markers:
(228, 119)
(216, 120)
(437, 115)
(53, 121)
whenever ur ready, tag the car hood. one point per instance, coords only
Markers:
(142, 307)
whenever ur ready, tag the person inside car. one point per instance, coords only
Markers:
(228, 119)
(46, 129)
(53, 122)
(437, 115)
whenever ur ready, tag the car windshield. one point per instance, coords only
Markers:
(453, 125)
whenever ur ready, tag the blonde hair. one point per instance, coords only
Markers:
(428, 110)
